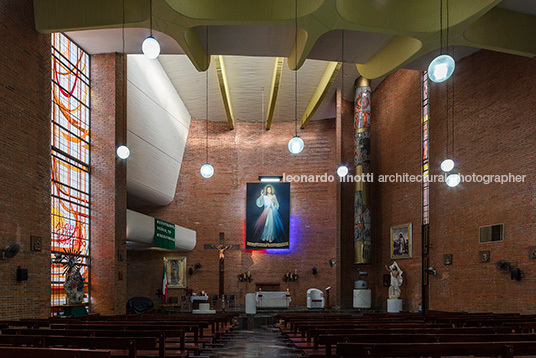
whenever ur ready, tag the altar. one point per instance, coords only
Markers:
(267, 299)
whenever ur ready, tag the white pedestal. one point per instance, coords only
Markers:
(251, 303)
(362, 298)
(394, 305)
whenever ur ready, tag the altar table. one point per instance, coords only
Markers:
(266, 299)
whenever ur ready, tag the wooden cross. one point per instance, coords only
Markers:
(222, 248)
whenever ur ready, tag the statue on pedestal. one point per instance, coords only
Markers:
(396, 280)
(74, 287)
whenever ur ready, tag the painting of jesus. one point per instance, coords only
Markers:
(268, 215)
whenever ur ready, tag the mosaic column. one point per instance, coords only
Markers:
(362, 239)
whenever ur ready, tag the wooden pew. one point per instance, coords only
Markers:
(31, 352)
(329, 340)
(161, 335)
(118, 346)
(436, 350)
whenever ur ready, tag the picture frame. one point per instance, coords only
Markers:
(401, 242)
(175, 268)
(483, 256)
(268, 216)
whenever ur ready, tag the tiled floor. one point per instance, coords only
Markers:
(264, 342)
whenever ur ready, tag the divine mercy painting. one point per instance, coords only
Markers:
(267, 215)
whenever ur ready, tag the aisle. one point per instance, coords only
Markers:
(264, 342)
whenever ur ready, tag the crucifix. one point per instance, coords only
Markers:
(222, 248)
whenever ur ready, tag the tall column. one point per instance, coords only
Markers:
(362, 237)
(108, 185)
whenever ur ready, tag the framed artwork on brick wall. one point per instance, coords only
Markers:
(267, 215)
(401, 242)
(175, 271)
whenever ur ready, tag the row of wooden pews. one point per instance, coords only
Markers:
(132, 336)
(434, 334)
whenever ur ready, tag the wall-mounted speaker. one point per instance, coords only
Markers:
(22, 274)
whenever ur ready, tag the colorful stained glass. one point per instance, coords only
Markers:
(425, 163)
(70, 151)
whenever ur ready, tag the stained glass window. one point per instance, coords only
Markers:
(70, 151)
(425, 164)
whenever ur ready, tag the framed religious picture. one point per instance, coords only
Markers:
(267, 215)
(401, 241)
(175, 268)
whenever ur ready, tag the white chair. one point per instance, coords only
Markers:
(315, 298)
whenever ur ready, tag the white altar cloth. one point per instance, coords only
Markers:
(266, 299)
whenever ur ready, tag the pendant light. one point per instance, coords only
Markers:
(150, 46)
(295, 145)
(122, 151)
(441, 67)
(342, 170)
(207, 170)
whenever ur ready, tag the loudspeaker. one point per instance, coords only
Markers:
(22, 274)
(315, 271)
(515, 274)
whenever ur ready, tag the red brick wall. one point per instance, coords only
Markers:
(210, 206)
(495, 133)
(24, 160)
(395, 148)
(108, 186)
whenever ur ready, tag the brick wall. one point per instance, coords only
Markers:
(108, 186)
(495, 133)
(396, 148)
(215, 205)
(24, 160)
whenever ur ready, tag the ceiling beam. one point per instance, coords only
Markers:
(274, 90)
(320, 92)
(224, 88)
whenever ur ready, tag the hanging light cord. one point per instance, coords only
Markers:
(296, 69)
(342, 67)
(441, 25)
(151, 16)
(123, 60)
(206, 101)
(452, 82)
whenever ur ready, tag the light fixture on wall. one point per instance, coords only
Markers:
(150, 46)
(270, 178)
(122, 151)
(207, 170)
(442, 67)
(295, 144)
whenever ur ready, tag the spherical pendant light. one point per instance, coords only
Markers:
(207, 170)
(441, 68)
(453, 180)
(295, 145)
(342, 171)
(447, 165)
(150, 48)
(123, 152)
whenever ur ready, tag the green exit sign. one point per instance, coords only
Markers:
(164, 234)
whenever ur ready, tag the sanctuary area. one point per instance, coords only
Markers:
(298, 178)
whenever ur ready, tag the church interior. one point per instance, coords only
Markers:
(272, 169)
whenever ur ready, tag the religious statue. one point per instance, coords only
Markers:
(74, 287)
(396, 280)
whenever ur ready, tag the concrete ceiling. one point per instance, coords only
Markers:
(380, 37)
